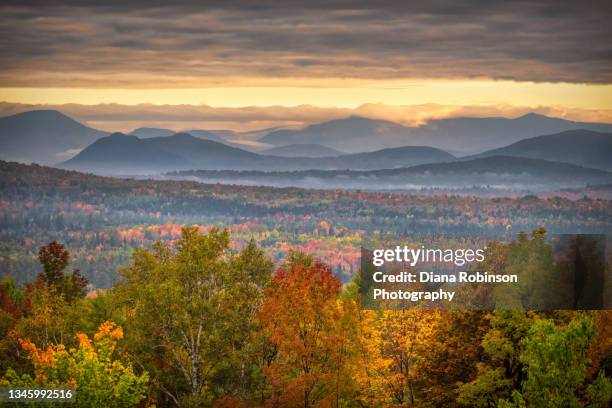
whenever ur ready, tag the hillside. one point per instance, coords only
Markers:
(43, 136)
(498, 172)
(203, 152)
(302, 150)
(103, 217)
(393, 157)
(123, 154)
(581, 147)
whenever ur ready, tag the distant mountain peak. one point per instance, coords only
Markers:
(44, 116)
(119, 134)
(145, 132)
(51, 113)
(43, 136)
(532, 115)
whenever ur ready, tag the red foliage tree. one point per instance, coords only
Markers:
(308, 327)
(55, 259)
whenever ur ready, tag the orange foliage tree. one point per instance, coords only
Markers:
(312, 334)
(98, 377)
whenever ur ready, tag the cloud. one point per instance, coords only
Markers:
(186, 43)
(116, 117)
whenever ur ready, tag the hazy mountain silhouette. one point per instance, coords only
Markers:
(206, 134)
(353, 135)
(302, 150)
(512, 165)
(388, 158)
(123, 154)
(43, 136)
(497, 172)
(50, 137)
(582, 147)
(127, 154)
(146, 132)
(183, 151)
(456, 135)
(203, 152)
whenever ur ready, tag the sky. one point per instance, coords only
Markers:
(422, 58)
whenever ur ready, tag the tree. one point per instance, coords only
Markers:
(312, 332)
(372, 368)
(502, 371)
(55, 259)
(555, 362)
(452, 356)
(535, 361)
(192, 311)
(100, 379)
(599, 391)
(45, 319)
(407, 335)
(11, 311)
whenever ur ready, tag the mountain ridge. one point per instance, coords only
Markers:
(581, 147)
(43, 136)
(501, 172)
(462, 135)
(302, 150)
(183, 151)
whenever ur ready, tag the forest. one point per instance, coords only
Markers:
(101, 219)
(198, 324)
(177, 293)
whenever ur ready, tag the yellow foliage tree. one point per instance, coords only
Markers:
(395, 345)
(99, 379)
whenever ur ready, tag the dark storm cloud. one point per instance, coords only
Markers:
(111, 43)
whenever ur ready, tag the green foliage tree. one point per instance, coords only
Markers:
(530, 258)
(599, 391)
(535, 361)
(192, 311)
(502, 371)
(555, 362)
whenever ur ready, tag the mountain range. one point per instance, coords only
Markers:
(144, 133)
(460, 136)
(302, 150)
(47, 136)
(123, 154)
(51, 137)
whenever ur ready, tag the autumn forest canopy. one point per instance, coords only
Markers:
(196, 323)
(255, 305)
